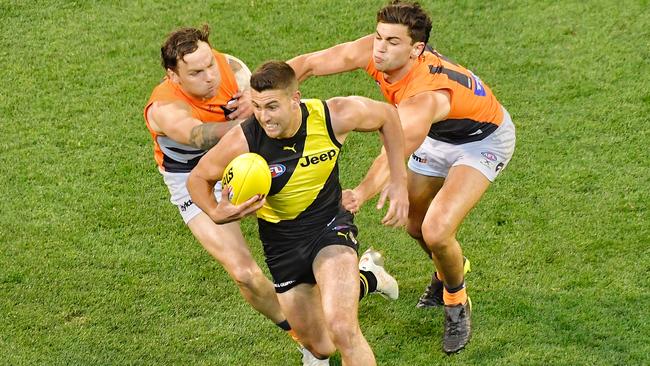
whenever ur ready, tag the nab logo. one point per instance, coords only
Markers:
(289, 148)
(277, 170)
(317, 158)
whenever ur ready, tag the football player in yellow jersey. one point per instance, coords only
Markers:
(309, 239)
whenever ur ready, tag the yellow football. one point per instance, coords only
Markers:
(248, 175)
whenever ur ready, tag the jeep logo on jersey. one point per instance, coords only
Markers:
(308, 160)
(277, 170)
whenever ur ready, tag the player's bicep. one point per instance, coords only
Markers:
(417, 113)
(357, 113)
(174, 120)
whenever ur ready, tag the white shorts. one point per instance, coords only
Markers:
(176, 183)
(489, 156)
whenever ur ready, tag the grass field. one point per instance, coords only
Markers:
(97, 268)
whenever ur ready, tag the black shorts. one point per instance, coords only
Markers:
(291, 263)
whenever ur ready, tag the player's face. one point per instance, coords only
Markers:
(197, 73)
(277, 111)
(393, 48)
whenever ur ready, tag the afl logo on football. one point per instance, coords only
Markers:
(277, 170)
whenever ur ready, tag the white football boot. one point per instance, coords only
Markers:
(310, 360)
(373, 261)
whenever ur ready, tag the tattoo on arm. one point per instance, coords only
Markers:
(204, 136)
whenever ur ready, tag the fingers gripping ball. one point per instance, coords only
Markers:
(248, 175)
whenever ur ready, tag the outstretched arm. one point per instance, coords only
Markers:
(363, 114)
(209, 170)
(416, 114)
(174, 120)
(340, 58)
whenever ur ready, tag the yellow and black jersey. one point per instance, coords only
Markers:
(305, 190)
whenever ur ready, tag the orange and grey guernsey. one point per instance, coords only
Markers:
(475, 112)
(305, 189)
(175, 157)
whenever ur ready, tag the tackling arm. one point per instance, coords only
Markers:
(416, 114)
(174, 120)
(340, 58)
(363, 114)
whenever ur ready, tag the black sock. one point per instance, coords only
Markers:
(284, 325)
(368, 283)
(435, 277)
(453, 290)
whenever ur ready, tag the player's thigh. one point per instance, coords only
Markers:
(224, 242)
(337, 274)
(463, 188)
(421, 190)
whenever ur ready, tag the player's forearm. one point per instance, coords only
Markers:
(201, 193)
(393, 139)
(206, 135)
(375, 179)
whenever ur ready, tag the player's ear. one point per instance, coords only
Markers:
(418, 48)
(173, 76)
(295, 98)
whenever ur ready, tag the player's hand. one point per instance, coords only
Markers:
(242, 106)
(227, 212)
(398, 206)
(350, 200)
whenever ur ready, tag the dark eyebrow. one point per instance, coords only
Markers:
(265, 105)
(388, 38)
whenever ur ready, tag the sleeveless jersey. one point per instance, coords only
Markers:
(305, 189)
(475, 112)
(170, 155)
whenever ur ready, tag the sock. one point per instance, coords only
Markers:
(368, 283)
(456, 295)
(438, 276)
(284, 325)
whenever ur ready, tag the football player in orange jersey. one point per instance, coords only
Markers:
(204, 94)
(457, 133)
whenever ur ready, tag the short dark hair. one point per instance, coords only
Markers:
(181, 42)
(409, 14)
(273, 75)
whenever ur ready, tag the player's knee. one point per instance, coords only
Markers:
(343, 332)
(246, 276)
(436, 234)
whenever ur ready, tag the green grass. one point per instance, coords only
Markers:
(96, 267)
